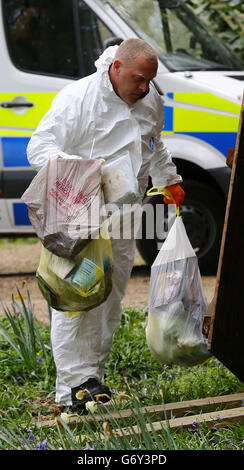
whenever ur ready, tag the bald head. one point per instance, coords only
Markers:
(131, 48)
(135, 64)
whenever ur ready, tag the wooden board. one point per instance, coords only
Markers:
(170, 411)
(226, 335)
(211, 419)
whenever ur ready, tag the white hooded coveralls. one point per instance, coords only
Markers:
(88, 119)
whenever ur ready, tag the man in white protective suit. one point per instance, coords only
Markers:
(102, 115)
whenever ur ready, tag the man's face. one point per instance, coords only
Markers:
(131, 80)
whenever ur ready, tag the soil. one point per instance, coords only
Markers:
(25, 258)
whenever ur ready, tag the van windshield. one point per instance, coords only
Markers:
(180, 39)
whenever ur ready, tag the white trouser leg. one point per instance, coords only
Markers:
(124, 255)
(81, 344)
(76, 344)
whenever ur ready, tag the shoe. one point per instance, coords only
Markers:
(91, 390)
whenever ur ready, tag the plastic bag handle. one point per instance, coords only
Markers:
(156, 190)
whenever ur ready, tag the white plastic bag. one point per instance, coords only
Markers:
(119, 183)
(64, 203)
(176, 303)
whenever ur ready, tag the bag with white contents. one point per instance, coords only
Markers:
(119, 183)
(64, 203)
(176, 303)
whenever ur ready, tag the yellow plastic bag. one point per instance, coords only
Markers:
(77, 285)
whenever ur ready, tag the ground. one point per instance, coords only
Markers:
(25, 258)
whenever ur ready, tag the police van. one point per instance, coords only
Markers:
(45, 45)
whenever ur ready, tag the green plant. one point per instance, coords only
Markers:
(136, 379)
(23, 335)
(226, 17)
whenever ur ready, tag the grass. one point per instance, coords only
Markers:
(11, 243)
(27, 383)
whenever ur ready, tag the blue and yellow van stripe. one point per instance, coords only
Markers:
(214, 120)
(14, 151)
(31, 118)
(20, 214)
(15, 132)
(214, 127)
(16, 129)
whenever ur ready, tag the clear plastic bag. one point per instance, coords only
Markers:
(176, 303)
(64, 203)
(119, 183)
(78, 285)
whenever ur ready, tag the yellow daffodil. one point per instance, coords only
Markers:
(80, 395)
(65, 417)
(124, 395)
(105, 426)
(100, 395)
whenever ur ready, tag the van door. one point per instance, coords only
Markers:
(43, 47)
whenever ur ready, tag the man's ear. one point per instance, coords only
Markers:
(117, 65)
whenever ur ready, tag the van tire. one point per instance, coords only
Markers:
(203, 212)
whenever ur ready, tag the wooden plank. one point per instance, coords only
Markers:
(165, 410)
(226, 335)
(230, 157)
(211, 419)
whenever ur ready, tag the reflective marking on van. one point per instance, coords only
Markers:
(212, 123)
(13, 132)
(169, 115)
(32, 116)
(14, 151)
(191, 120)
(206, 113)
(20, 212)
(207, 100)
(222, 141)
(214, 115)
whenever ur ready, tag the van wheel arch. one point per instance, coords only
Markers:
(203, 214)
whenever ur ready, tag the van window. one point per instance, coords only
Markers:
(57, 37)
(180, 39)
(41, 36)
(93, 36)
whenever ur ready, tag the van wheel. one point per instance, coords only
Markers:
(203, 213)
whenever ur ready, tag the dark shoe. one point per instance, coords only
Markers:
(92, 390)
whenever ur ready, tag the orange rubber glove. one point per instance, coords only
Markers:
(178, 194)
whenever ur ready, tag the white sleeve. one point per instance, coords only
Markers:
(54, 132)
(162, 169)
